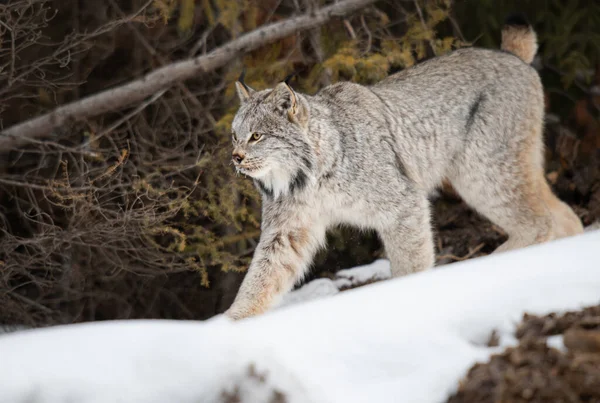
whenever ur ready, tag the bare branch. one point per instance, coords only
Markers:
(161, 78)
(12, 48)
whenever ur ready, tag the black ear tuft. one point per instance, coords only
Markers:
(241, 79)
(289, 78)
(517, 19)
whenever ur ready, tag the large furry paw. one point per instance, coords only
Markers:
(233, 315)
(236, 314)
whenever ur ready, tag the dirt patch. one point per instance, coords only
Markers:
(250, 385)
(553, 324)
(535, 372)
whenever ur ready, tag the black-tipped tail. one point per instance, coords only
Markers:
(519, 38)
(517, 20)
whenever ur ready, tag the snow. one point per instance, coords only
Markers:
(409, 339)
(593, 227)
(556, 342)
(378, 270)
(324, 287)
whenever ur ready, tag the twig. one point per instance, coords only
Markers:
(201, 43)
(498, 230)
(240, 237)
(125, 118)
(13, 53)
(23, 298)
(168, 75)
(350, 29)
(10, 182)
(457, 30)
(461, 258)
(369, 36)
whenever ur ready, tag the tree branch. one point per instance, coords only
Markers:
(161, 78)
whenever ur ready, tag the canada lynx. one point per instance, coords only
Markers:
(369, 157)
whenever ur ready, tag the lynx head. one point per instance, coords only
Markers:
(270, 142)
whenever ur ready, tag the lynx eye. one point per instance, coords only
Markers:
(256, 136)
(234, 136)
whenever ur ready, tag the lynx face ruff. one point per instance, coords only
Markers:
(369, 157)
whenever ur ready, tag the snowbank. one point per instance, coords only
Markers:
(324, 287)
(408, 339)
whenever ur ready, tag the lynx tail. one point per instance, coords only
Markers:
(519, 38)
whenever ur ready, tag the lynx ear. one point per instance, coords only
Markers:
(244, 92)
(283, 97)
(287, 102)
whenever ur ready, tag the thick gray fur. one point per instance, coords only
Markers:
(370, 156)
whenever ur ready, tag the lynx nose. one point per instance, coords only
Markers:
(237, 157)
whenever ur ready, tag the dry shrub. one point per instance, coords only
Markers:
(130, 215)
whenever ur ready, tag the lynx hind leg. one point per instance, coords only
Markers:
(501, 176)
(408, 238)
(509, 197)
(566, 221)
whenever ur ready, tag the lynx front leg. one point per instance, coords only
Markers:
(281, 258)
(408, 239)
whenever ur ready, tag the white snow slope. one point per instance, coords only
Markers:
(403, 340)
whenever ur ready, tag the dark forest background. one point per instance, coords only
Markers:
(138, 213)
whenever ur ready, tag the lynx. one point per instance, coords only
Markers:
(369, 156)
